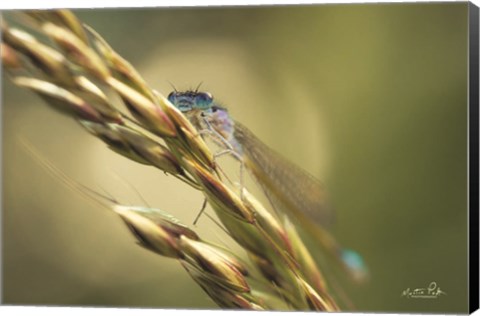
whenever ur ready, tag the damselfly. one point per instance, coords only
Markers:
(290, 189)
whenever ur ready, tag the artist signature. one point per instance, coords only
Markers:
(432, 291)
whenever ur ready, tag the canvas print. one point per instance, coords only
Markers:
(293, 158)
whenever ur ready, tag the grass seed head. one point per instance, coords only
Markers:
(136, 146)
(60, 99)
(121, 69)
(166, 222)
(223, 297)
(148, 233)
(62, 17)
(77, 51)
(49, 61)
(218, 194)
(313, 299)
(9, 57)
(224, 268)
(144, 110)
(267, 221)
(112, 137)
(304, 258)
(91, 92)
(153, 152)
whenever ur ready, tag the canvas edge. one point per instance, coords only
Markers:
(473, 157)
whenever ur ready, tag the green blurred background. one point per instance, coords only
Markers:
(372, 99)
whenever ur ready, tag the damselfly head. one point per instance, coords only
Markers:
(191, 100)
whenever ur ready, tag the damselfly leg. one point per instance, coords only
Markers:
(221, 141)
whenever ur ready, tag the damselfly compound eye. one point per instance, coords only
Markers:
(203, 100)
(172, 97)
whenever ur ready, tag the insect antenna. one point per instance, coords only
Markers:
(173, 86)
(198, 87)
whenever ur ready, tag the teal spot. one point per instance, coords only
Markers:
(354, 261)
